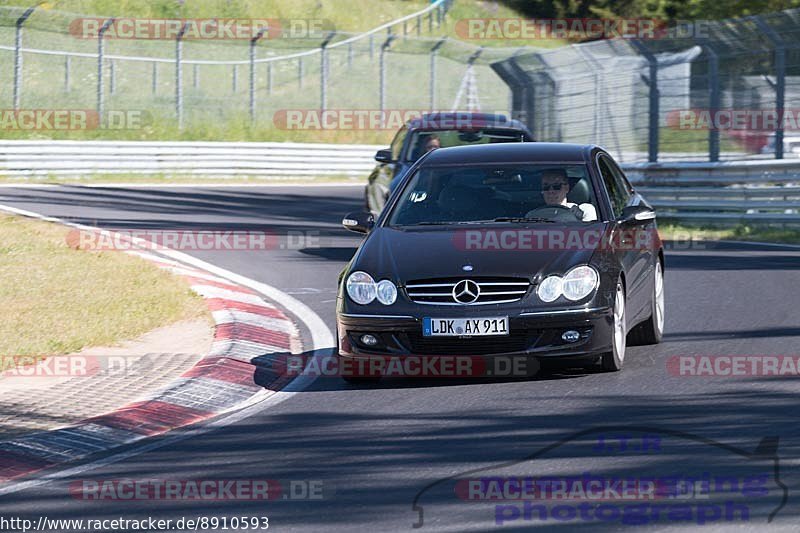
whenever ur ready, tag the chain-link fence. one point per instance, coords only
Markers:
(707, 90)
(201, 84)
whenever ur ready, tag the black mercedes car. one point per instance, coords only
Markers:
(541, 250)
(432, 131)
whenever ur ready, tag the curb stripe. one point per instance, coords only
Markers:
(247, 327)
(151, 418)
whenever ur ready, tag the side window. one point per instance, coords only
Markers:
(622, 181)
(616, 193)
(397, 143)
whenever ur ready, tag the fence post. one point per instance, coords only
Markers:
(323, 68)
(350, 55)
(235, 78)
(195, 76)
(18, 54)
(252, 85)
(652, 114)
(713, 100)
(100, 84)
(67, 61)
(179, 75)
(432, 86)
(300, 72)
(382, 67)
(112, 77)
(269, 78)
(419, 25)
(780, 81)
(154, 87)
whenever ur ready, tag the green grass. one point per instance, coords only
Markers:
(683, 232)
(56, 300)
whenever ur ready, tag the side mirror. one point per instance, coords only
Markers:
(637, 214)
(384, 156)
(359, 221)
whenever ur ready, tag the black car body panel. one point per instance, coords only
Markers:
(409, 254)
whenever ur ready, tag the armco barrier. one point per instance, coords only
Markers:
(73, 159)
(742, 192)
(725, 192)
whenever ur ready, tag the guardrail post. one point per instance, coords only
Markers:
(419, 25)
(430, 21)
(67, 65)
(350, 55)
(780, 80)
(235, 78)
(195, 76)
(371, 47)
(432, 88)
(100, 85)
(252, 85)
(300, 72)
(18, 54)
(323, 67)
(653, 100)
(269, 78)
(179, 75)
(382, 67)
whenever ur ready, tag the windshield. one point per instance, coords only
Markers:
(422, 142)
(496, 193)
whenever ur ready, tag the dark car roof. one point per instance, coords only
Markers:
(463, 120)
(509, 153)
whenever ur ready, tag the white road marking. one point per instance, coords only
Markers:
(322, 343)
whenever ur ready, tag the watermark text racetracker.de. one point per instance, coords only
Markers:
(209, 29)
(381, 119)
(405, 366)
(98, 490)
(733, 365)
(73, 119)
(191, 240)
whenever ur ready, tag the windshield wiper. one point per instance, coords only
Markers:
(524, 219)
(453, 223)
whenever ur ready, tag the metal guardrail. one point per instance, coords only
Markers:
(71, 159)
(744, 192)
(721, 193)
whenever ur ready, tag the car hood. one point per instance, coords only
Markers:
(529, 251)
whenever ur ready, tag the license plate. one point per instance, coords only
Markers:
(459, 327)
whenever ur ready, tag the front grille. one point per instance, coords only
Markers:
(439, 291)
(513, 342)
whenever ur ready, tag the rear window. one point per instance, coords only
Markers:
(423, 141)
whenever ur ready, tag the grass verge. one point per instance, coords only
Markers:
(56, 300)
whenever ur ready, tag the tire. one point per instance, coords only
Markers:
(612, 361)
(651, 331)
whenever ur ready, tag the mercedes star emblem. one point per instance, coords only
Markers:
(466, 291)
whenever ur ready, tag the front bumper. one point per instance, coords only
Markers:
(530, 333)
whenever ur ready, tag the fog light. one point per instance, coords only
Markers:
(369, 340)
(570, 336)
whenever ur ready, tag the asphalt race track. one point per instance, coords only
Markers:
(374, 448)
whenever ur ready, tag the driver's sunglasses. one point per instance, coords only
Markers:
(553, 186)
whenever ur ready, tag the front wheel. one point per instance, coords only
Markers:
(612, 361)
(651, 331)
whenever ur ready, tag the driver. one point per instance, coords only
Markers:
(555, 187)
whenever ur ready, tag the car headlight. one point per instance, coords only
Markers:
(361, 288)
(549, 289)
(387, 292)
(579, 283)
